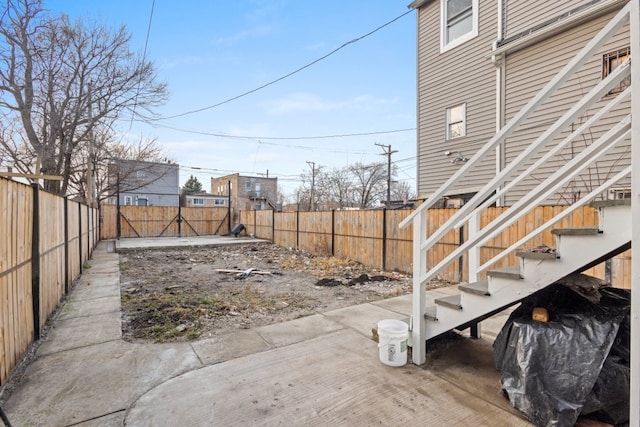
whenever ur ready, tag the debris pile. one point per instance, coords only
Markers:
(564, 353)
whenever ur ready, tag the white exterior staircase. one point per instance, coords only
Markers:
(577, 249)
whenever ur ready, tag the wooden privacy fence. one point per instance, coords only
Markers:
(162, 221)
(373, 238)
(45, 241)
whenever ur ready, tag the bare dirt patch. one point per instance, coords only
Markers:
(195, 293)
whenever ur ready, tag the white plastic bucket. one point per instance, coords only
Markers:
(392, 342)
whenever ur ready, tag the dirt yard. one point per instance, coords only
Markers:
(196, 293)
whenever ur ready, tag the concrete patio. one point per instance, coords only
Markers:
(318, 370)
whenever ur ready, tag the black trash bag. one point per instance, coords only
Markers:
(549, 369)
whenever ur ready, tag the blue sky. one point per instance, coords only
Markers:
(208, 51)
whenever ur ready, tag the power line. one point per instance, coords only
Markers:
(274, 138)
(285, 76)
(144, 57)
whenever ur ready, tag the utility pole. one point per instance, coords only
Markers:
(313, 183)
(388, 152)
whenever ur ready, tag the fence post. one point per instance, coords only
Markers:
(66, 245)
(297, 229)
(80, 237)
(89, 220)
(35, 261)
(273, 226)
(179, 219)
(255, 222)
(118, 225)
(333, 232)
(384, 239)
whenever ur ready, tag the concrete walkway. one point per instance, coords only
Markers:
(318, 370)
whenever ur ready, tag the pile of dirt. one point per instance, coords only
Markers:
(183, 294)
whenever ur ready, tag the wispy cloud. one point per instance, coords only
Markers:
(242, 35)
(307, 102)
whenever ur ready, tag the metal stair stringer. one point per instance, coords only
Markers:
(576, 251)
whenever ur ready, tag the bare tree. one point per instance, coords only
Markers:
(358, 185)
(62, 81)
(370, 182)
(402, 190)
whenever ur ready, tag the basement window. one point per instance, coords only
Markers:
(611, 61)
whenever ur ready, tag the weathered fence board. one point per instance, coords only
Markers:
(162, 221)
(373, 238)
(36, 269)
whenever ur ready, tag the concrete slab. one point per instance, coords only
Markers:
(111, 420)
(172, 242)
(92, 307)
(295, 331)
(468, 363)
(67, 334)
(335, 379)
(362, 318)
(83, 384)
(400, 305)
(95, 289)
(229, 346)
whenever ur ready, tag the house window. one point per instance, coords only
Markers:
(611, 61)
(456, 121)
(128, 200)
(143, 201)
(247, 186)
(219, 202)
(198, 201)
(459, 22)
(620, 193)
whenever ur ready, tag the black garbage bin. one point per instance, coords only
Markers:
(237, 230)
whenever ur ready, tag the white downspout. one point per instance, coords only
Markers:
(500, 63)
(634, 399)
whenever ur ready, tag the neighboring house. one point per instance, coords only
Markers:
(480, 61)
(144, 183)
(247, 192)
(204, 200)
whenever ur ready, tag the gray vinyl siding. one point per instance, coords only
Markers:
(460, 75)
(524, 14)
(527, 71)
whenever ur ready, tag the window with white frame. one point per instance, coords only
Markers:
(247, 186)
(458, 22)
(611, 61)
(219, 202)
(456, 121)
(128, 200)
(198, 201)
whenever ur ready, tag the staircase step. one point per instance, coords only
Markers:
(506, 273)
(431, 313)
(576, 231)
(606, 203)
(452, 301)
(478, 288)
(537, 255)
